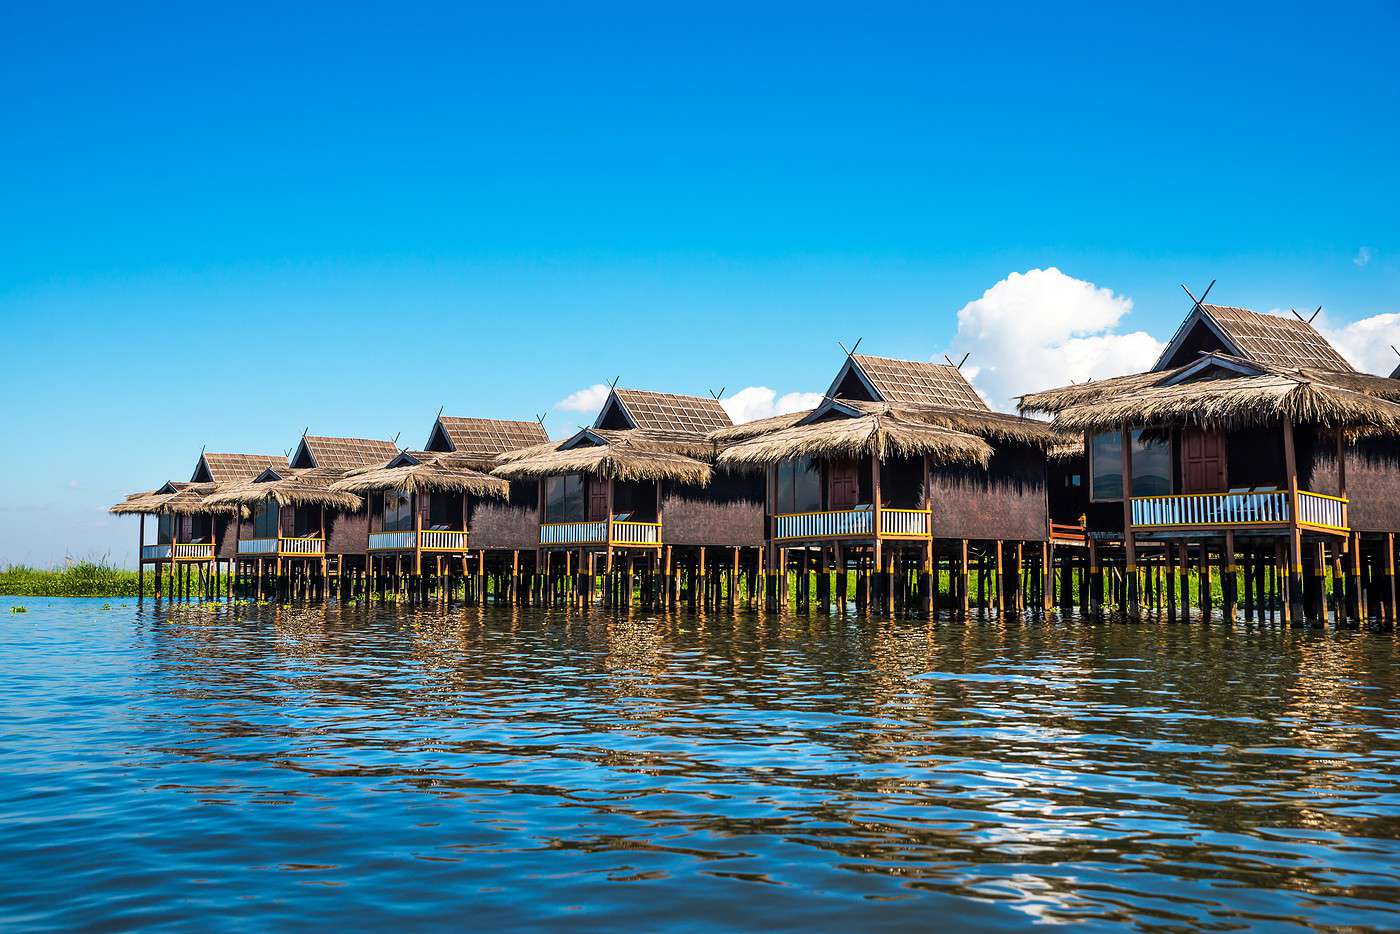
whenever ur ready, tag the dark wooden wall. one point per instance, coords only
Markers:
(689, 521)
(497, 525)
(347, 532)
(1006, 501)
(1373, 483)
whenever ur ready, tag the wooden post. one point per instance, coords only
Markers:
(880, 579)
(1295, 532)
(1001, 583)
(141, 559)
(1095, 579)
(1227, 583)
(1129, 545)
(1047, 576)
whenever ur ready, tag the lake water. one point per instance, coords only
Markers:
(252, 768)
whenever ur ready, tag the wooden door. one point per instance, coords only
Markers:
(1202, 461)
(597, 498)
(843, 485)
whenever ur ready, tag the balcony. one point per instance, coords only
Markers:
(853, 523)
(305, 547)
(423, 540)
(179, 551)
(602, 532)
(1242, 509)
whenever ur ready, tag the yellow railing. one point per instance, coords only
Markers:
(636, 533)
(853, 523)
(427, 540)
(305, 547)
(192, 551)
(906, 523)
(601, 532)
(1239, 509)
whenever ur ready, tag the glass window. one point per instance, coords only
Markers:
(1152, 466)
(165, 529)
(799, 486)
(265, 519)
(201, 529)
(398, 512)
(563, 498)
(444, 510)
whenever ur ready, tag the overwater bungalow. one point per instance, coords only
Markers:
(901, 463)
(426, 504)
(191, 533)
(293, 529)
(1252, 449)
(635, 495)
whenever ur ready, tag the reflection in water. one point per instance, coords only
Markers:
(371, 766)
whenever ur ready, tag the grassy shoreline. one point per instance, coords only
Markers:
(79, 579)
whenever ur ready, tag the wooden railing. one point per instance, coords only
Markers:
(1322, 511)
(302, 547)
(835, 523)
(442, 540)
(427, 540)
(853, 523)
(306, 547)
(906, 523)
(391, 541)
(601, 532)
(192, 551)
(1260, 507)
(574, 533)
(1071, 533)
(636, 533)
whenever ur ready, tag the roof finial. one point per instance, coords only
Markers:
(539, 417)
(716, 395)
(395, 442)
(440, 408)
(852, 351)
(305, 430)
(613, 384)
(1196, 302)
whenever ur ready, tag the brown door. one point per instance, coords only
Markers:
(1202, 461)
(843, 485)
(597, 498)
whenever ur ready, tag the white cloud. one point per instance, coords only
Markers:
(1363, 257)
(1367, 342)
(588, 400)
(754, 402)
(1040, 329)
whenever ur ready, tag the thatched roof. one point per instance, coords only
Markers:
(1266, 340)
(913, 382)
(635, 454)
(996, 427)
(483, 436)
(424, 472)
(1245, 400)
(759, 426)
(663, 411)
(886, 433)
(233, 468)
(319, 451)
(311, 487)
(1221, 390)
(176, 499)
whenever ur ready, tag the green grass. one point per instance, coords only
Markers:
(79, 579)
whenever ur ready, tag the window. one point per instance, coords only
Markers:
(201, 529)
(799, 486)
(444, 510)
(265, 519)
(306, 521)
(563, 498)
(1152, 466)
(398, 512)
(165, 529)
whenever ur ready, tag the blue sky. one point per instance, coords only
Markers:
(223, 228)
